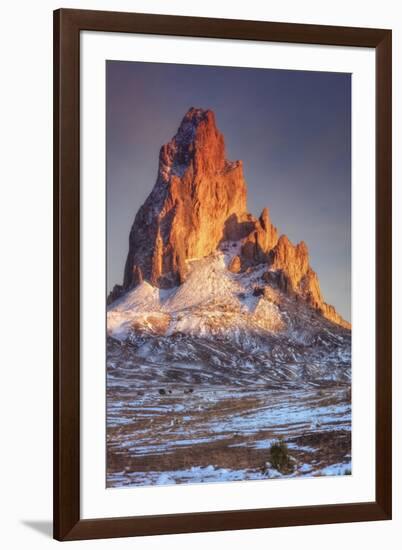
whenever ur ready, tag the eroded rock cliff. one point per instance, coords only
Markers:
(196, 192)
(198, 205)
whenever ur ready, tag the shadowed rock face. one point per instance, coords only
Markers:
(199, 202)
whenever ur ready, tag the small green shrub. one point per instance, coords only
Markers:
(279, 457)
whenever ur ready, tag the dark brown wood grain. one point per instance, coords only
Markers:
(67, 26)
(384, 273)
(66, 423)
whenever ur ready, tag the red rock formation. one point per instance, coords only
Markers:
(258, 236)
(292, 260)
(199, 201)
(262, 238)
(290, 270)
(196, 191)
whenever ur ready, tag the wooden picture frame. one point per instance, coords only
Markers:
(68, 24)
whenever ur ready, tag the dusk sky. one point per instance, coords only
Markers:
(291, 129)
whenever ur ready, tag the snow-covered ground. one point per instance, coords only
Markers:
(209, 474)
(204, 377)
(211, 300)
(218, 323)
(220, 435)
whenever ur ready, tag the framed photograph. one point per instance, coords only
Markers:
(222, 274)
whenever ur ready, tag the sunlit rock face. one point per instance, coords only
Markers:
(198, 208)
(196, 191)
(289, 264)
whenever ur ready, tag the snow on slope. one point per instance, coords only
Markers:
(138, 309)
(211, 300)
(223, 328)
(144, 297)
(209, 282)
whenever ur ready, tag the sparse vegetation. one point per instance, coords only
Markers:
(280, 458)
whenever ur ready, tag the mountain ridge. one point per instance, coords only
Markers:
(198, 208)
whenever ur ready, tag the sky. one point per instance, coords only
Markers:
(291, 129)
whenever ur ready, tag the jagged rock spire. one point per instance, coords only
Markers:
(196, 191)
(199, 201)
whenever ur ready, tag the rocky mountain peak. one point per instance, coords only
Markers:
(290, 270)
(198, 206)
(290, 258)
(197, 145)
(196, 191)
